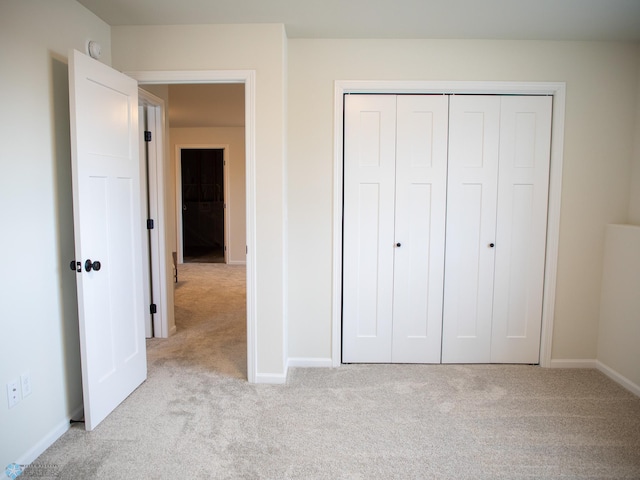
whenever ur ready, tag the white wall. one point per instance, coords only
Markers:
(234, 138)
(38, 310)
(237, 47)
(201, 105)
(602, 88)
(619, 335)
(634, 203)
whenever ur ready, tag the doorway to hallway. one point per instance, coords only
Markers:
(202, 186)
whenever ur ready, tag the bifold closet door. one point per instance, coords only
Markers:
(471, 225)
(421, 193)
(394, 212)
(523, 192)
(369, 216)
(498, 179)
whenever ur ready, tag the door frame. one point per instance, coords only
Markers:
(157, 258)
(248, 78)
(555, 89)
(225, 188)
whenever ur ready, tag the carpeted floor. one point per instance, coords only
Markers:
(203, 255)
(196, 417)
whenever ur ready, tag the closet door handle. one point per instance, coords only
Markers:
(491, 245)
(398, 244)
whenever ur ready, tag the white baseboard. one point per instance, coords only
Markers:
(45, 442)
(573, 363)
(620, 379)
(311, 362)
(236, 262)
(598, 365)
(271, 378)
(281, 378)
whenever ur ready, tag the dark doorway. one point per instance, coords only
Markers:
(203, 205)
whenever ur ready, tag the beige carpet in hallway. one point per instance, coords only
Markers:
(196, 417)
(211, 322)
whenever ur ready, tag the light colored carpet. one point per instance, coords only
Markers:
(196, 417)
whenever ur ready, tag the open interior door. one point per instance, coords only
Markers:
(108, 234)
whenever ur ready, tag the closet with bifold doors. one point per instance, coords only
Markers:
(444, 227)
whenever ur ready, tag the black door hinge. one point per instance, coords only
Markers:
(150, 224)
(147, 136)
(153, 309)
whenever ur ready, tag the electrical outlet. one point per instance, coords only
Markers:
(13, 394)
(25, 382)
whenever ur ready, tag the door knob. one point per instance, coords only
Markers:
(398, 244)
(75, 266)
(88, 265)
(491, 245)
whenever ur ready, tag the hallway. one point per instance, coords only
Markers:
(210, 310)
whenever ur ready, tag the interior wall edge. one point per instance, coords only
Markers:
(573, 363)
(618, 378)
(50, 438)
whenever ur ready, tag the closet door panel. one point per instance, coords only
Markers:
(470, 230)
(525, 142)
(368, 245)
(421, 169)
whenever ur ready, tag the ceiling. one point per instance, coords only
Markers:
(608, 20)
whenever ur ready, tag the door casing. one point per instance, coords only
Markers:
(225, 189)
(555, 89)
(248, 78)
(163, 323)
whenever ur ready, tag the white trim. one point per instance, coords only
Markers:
(157, 258)
(252, 275)
(161, 77)
(49, 439)
(248, 78)
(148, 264)
(597, 365)
(557, 89)
(618, 378)
(310, 362)
(553, 223)
(271, 378)
(226, 207)
(336, 307)
(448, 87)
(573, 363)
(225, 188)
(158, 251)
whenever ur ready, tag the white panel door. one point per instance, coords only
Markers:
(108, 228)
(369, 184)
(523, 185)
(471, 226)
(421, 190)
